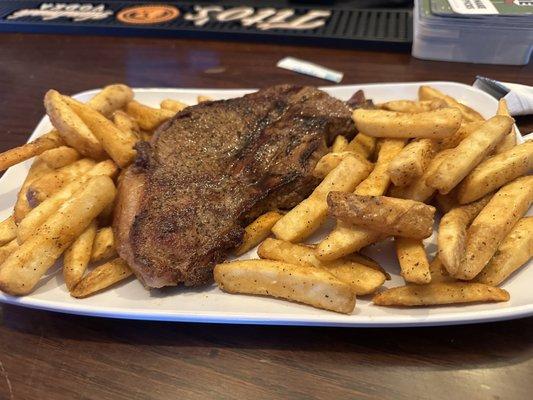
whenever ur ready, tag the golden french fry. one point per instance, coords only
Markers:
(37, 216)
(258, 231)
(60, 156)
(464, 131)
(173, 105)
(389, 215)
(493, 224)
(429, 124)
(495, 172)
(23, 268)
(451, 239)
(369, 262)
(514, 251)
(103, 245)
(305, 284)
(203, 98)
(413, 260)
(429, 93)
(440, 293)
(411, 162)
(330, 160)
(77, 256)
(52, 182)
(7, 249)
(438, 272)
(339, 144)
(102, 277)
(8, 230)
(410, 106)
(510, 140)
(126, 124)
(43, 143)
(148, 118)
(306, 217)
(111, 98)
(117, 143)
(362, 278)
(363, 145)
(71, 127)
(469, 153)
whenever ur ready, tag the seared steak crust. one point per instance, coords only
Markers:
(212, 168)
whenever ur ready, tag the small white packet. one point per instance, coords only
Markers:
(308, 68)
(519, 98)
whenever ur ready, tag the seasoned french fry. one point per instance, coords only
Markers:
(173, 105)
(430, 124)
(148, 118)
(111, 98)
(514, 251)
(203, 98)
(126, 124)
(363, 145)
(438, 272)
(305, 284)
(7, 249)
(23, 268)
(493, 224)
(339, 144)
(77, 256)
(8, 230)
(103, 245)
(369, 262)
(389, 215)
(102, 277)
(362, 278)
(330, 160)
(14, 156)
(411, 162)
(429, 93)
(306, 217)
(510, 140)
(469, 153)
(464, 130)
(413, 260)
(71, 127)
(495, 172)
(258, 231)
(37, 216)
(60, 156)
(52, 182)
(117, 143)
(440, 293)
(451, 238)
(409, 106)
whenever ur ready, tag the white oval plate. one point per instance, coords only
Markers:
(130, 300)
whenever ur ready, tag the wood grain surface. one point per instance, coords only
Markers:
(50, 356)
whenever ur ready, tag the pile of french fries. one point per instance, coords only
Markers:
(65, 205)
(382, 185)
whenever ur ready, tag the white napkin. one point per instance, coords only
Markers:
(519, 97)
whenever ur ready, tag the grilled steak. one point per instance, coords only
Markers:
(212, 168)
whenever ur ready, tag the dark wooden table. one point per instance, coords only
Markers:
(50, 356)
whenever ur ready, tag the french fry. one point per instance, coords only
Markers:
(339, 144)
(411, 162)
(60, 156)
(305, 284)
(389, 215)
(493, 224)
(451, 239)
(173, 105)
(8, 230)
(24, 267)
(103, 245)
(111, 98)
(510, 140)
(102, 277)
(77, 256)
(52, 182)
(117, 143)
(469, 153)
(258, 231)
(148, 118)
(514, 251)
(363, 145)
(362, 278)
(438, 272)
(410, 106)
(430, 124)
(329, 161)
(37, 216)
(495, 172)
(413, 260)
(306, 217)
(126, 124)
(7, 249)
(464, 131)
(429, 93)
(203, 98)
(71, 127)
(445, 202)
(14, 156)
(439, 294)
(369, 262)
